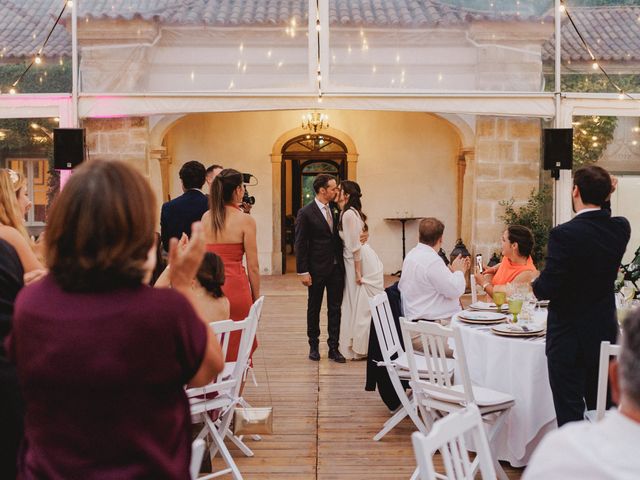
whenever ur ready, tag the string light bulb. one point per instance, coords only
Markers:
(562, 8)
(70, 3)
(12, 91)
(595, 65)
(38, 59)
(621, 95)
(318, 25)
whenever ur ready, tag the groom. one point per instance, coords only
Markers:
(320, 264)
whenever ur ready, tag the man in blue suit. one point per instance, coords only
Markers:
(178, 214)
(583, 257)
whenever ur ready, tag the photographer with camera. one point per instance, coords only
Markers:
(248, 201)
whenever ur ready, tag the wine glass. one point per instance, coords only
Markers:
(515, 306)
(499, 298)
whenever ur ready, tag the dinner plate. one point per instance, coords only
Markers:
(480, 317)
(488, 307)
(511, 330)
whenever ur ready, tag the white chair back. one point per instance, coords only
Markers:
(448, 436)
(606, 350)
(435, 376)
(385, 326)
(197, 452)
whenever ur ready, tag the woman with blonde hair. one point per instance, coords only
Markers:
(12, 210)
(231, 234)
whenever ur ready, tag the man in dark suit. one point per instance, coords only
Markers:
(583, 256)
(320, 263)
(178, 214)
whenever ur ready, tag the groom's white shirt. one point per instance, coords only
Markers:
(428, 288)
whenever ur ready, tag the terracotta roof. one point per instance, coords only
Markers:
(24, 25)
(381, 13)
(612, 33)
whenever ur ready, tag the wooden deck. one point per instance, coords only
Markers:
(324, 420)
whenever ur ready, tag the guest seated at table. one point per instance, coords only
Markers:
(430, 290)
(607, 449)
(102, 359)
(207, 286)
(516, 265)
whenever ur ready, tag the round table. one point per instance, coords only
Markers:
(517, 366)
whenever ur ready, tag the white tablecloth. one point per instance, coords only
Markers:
(517, 366)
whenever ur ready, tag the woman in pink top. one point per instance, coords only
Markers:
(516, 266)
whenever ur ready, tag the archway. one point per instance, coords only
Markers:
(296, 158)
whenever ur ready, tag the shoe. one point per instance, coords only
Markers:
(336, 356)
(314, 353)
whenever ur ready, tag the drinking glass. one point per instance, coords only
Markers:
(499, 298)
(515, 306)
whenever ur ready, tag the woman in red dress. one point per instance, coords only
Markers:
(231, 234)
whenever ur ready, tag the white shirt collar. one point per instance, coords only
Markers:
(320, 204)
(585, 210)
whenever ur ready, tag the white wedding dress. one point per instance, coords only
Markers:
(356, 315)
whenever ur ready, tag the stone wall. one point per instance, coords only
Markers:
(119, 139)
(507, 165)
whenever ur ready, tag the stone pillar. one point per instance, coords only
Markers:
(507, 166)
(466, 196)
(352, 167)
(276, 212)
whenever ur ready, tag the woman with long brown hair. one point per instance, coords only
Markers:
(363, 274)
(231, 234)
(13, 205)
(102, 358)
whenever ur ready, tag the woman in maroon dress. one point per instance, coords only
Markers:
(231, 234)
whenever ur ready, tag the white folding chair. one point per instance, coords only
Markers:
(223, 394)
(197, 452)
(448, 436)
(396, 363)
(434, 392)
(606, 350)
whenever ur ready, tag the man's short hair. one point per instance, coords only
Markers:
(594, 184)
(192, 174)
(431, 230)
(629, 359)
(322, 181)
(213, 167)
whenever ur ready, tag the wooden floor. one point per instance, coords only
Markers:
(324, 420)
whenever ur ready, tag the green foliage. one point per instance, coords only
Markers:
(591, 135)
(531, 215)
(19, 136)
(50, 77)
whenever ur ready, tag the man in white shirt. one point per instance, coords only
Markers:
(430, 290)
(607, 449)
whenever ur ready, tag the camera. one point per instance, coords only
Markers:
(246, 198)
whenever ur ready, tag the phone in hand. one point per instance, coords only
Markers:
(479, 266)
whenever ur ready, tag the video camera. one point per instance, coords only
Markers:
(248, 199)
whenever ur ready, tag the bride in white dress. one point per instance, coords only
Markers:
(363, 274)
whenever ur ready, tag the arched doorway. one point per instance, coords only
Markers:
(304, 157)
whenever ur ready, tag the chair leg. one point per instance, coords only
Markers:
(391, 423)
(224, 452)
(237, 441)
(414, 475)
(493, 431)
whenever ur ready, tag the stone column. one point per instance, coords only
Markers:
(507, 166)
(276, 210)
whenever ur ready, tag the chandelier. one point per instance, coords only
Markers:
(315, 121)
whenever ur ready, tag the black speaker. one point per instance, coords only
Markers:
(558, 148)
(68, 147)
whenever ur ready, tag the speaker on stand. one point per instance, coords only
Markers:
(558, 150)
(68, 147)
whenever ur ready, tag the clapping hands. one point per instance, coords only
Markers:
(185, 257)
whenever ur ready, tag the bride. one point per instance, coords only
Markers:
(363, 274)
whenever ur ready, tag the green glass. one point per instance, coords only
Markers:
(515, 307)
(499, 298)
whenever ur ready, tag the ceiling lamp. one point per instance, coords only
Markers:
(315, 121)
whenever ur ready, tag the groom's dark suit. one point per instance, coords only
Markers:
(583, 256)
(319, 253)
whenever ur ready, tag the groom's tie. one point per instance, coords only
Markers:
(327, 211)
